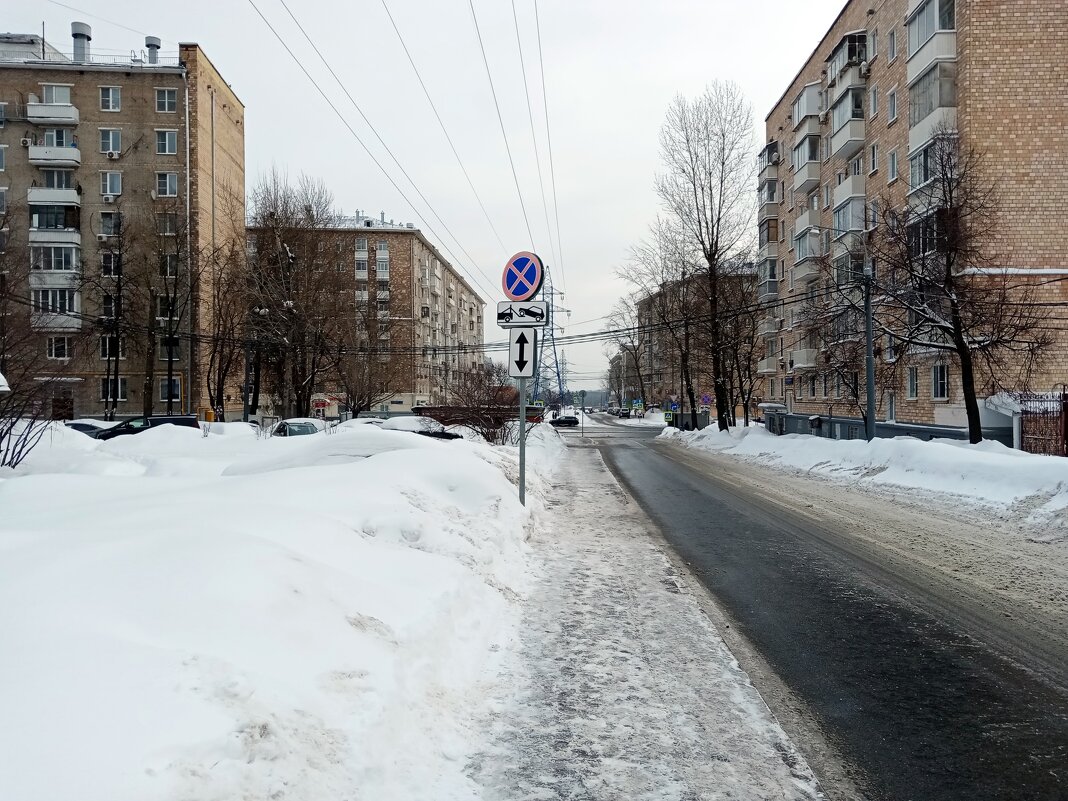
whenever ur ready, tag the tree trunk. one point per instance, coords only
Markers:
(967, 384)
(687, 379)
(147, 398)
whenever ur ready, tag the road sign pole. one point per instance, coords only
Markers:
(523, 441)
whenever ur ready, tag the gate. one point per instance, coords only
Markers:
(1044, 423)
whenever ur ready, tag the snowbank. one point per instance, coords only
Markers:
(224, 617)
(988, 472)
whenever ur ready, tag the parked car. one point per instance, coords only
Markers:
(564, 420)
(88, 425)
(624, 412)
(139, 424)
(533, 312)
(297, 427)
(424, 426)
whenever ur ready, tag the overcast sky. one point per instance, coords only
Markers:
(611, 68)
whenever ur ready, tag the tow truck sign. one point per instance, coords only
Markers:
(525, 314)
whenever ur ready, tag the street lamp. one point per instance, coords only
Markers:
(5, 388)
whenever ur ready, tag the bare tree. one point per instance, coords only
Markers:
(941, 280)
(630, 340)
(739, 317)
(706, 145)
(486, 399)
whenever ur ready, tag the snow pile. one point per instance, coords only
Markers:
(651, 419)
(988, 472)
(227, 616)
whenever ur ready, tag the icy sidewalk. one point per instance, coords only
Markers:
(620, 687)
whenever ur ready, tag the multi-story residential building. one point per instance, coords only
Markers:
(855, 128)
(429, 320)
(120, 176)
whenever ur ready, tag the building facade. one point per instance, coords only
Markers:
(853, 132)
(113, 172)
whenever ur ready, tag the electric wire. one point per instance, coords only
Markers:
(549, 142)
(382, 142)
(448, 138)
(533, 134)
(500, 119)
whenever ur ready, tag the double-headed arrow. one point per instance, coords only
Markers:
(521, 341)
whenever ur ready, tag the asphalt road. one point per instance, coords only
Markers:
(916, 701)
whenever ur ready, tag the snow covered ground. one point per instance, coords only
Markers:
(621, 688)
(224, 616)
(650, 420)
(988, 473)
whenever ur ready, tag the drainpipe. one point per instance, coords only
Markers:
(188, 394)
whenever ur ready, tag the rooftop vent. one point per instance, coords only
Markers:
(82, 35)
(152, 43)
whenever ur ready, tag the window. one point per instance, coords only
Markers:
(826, 196)
(856, 167)
(891, 44)
(56, 258)
(166, 101)
(58, 179)
(110, 265)
(932, 16)
(767, 191)
(912, 389)
(111, 183)
(936, 89)
(873, 158)
(166, 184)
(361, 266)
(849, 216)
(848, 269)
(107, 305)
(167, 223)
(112, 347)
(873, 101)
(164, 308)
(361, 244)
(110, 139)
(166, 143)
(170, 349)
(806, 246)
(891, 105)
(109, 223)
(59, 95)
(853, 49)
(3, 208)
(3, 113)
(3, 157)
(873, 215)
(806, 151)
(59, 347)
(57, 137)
(826, 384)
(383, 246)
(168, 265)
(768, 231)
(382, 266)
(921, 167)
(110, 98)
(54, 301)
(888, 352)
(850, 106)
(873, 44)
(53, 218)
(891, 166)
(940, 382)
(113, 389)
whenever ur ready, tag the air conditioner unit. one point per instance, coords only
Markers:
(113, 154)
(101, 237)
(26, 141)
(109, 198)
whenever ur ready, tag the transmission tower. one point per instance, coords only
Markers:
(552, 364)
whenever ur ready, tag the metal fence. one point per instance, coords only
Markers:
(1044, 423)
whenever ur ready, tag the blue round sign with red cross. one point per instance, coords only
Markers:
(523, 275)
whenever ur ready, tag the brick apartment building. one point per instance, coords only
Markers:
(427, 310)
(107, 160)
(855, 125)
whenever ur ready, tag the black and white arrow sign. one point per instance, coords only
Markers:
(522, 350)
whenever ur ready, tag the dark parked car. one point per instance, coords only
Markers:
(533, 312)
(564, 420)
(139, 424)
(294, 428)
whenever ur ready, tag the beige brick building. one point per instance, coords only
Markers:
(852, 127)
(118, 169)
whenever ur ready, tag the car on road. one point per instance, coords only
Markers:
(624, 412)
(565, 420)
(297, 427)
(139, 424)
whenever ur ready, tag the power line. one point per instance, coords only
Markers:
(102, 19)
(549, 140)
(533, 135)
(381, 141)
(500, 119)
(448, 138)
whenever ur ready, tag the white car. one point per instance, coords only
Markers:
(298, 427)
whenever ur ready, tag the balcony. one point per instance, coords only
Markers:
(361, 295)
(43, 156)
(51, 114)
(766, 208)
(850, 78)
(382, 294)
(768, 289)
(847, 141)
(768, 162)
(53, 197)
(806, 270)
(940, 47)
(769, 250)
(807, 177)
(809, 219)
(769, 366)
(942, 118)
(769, 326)
(804, 359)
(853, 186)
(55, 322)
(55, 236)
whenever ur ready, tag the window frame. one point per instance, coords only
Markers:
(106, 177)
(939, 378)
(53, 86)
(163, 91)
(165, 141)
(119, 384)
(114, 140)
(117, 90)
(50, 348)
(912, 383)
(166, 186)
(106, 342)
